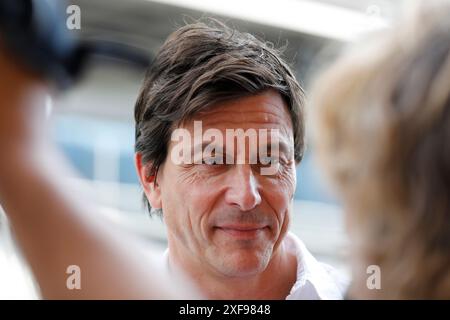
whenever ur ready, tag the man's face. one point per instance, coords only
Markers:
(230, 217)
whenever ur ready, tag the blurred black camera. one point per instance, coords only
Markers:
(36, 32)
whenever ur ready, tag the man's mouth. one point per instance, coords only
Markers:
(242, 232)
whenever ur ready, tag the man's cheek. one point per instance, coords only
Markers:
(283, 187)
(174, 208)
(288, 182)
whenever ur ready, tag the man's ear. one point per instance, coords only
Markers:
(147, 179)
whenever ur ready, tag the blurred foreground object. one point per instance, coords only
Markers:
(382, 132)
(36, 31)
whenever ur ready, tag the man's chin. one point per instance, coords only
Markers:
(241, 264)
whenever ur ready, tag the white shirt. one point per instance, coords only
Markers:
(315, 280)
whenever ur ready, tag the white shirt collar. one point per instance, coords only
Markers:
(315, 281)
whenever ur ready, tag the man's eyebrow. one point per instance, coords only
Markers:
(204, 144)
(284, 147)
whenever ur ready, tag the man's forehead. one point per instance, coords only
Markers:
(265, 110)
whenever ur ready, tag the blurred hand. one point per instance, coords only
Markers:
(22, 104)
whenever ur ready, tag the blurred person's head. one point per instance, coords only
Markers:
(228, 217)
(382, 133)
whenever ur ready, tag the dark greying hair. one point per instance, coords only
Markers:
(200, 65)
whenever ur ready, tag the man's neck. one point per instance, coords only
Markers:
(275, 282)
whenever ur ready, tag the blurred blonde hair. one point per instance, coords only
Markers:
(382, 133)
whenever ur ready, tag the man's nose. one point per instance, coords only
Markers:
(243, 188)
